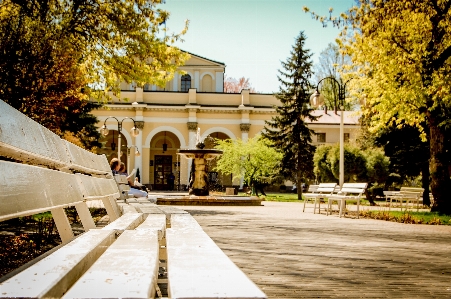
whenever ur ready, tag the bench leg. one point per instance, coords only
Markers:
(85, 216)
(110, 208)
(329, 206)
(62, 225)
(358, 212)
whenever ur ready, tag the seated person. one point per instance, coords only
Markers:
(134, 191)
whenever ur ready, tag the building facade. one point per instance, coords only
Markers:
(168, 119)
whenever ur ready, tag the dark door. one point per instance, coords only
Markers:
(163, 168)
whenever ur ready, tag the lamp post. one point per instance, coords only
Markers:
(317, 99)
(104, 131)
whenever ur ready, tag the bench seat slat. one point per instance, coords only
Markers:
(154, 221)
(198, 268)
(53, 275)
(127, 269)
(47, 188)
(125, 222)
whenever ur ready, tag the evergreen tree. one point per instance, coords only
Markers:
(288, 130)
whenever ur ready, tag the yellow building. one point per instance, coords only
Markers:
(168, 119)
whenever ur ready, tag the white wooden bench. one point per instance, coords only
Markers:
(348, 192)
(316, 193)
(407, 194)
(40, 172)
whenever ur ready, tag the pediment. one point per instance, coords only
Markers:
(197, 60)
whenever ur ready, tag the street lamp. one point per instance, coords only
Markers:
(134, 131)
(137, 154)
(317, 99)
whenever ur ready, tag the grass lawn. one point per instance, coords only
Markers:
(409, 217)
(281, 197)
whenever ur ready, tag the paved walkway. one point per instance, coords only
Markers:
(291, 254)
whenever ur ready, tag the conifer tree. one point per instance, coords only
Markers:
(288, 130)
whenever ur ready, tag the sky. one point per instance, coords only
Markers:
(252, 37)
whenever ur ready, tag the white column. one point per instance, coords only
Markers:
(139, 118)
(139, 160)
(196, 80)
(175, 82)
(244, 127)
(219, 82)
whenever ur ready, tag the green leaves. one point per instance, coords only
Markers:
(253, 160)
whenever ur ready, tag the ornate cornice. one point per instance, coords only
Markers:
(245, 127)
(192, 125)
(224, 111)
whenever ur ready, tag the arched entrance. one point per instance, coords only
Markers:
(164, 162)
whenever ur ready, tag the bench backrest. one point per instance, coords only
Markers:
(357, 189)
(326, 188)
(41, 172)
(411, 192)
(312, 188)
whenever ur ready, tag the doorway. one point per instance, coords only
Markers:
(163, 168)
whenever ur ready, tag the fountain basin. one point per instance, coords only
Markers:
(207, 154)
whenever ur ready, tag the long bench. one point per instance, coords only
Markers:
(348, 192)
(40, 172)
(316, 193)
(406, 194)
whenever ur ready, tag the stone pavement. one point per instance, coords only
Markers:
(291, 254)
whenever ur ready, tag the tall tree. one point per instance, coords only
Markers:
(403, 50)
(288, 130)
(55, 53)
(232, 85)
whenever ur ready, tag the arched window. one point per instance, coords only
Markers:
(186, 83)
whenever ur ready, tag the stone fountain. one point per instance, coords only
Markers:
(198, 182)
(198, 193)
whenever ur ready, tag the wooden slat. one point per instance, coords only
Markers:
(52, 276)
(125, 222)
(127, 269)
(28, 190)
(86, 162)
(95, 188)
(23, 139)
(197, 267)
(156, 222)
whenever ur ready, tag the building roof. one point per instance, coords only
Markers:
(198, 56)
(330, 118)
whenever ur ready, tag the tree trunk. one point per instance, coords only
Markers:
(440, 181)
(299, 181)
(425, 184)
